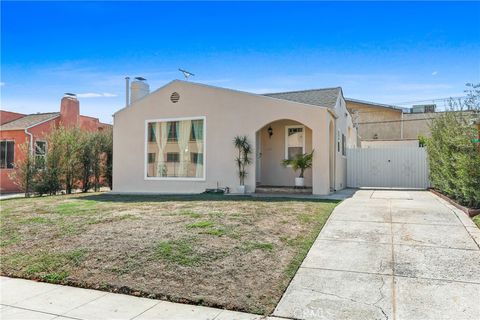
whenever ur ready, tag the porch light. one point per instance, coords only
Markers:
(270, 131)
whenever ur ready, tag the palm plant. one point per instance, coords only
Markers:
(243, 158)
(300, 162)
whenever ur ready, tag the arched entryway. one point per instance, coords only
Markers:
(276, 141)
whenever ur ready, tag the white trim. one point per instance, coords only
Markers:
(145, 162)
(286, 138)
(46, 146)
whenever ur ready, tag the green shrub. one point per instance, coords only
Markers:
(72, 156)
(454, 157)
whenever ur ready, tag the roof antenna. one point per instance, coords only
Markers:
(186, 73)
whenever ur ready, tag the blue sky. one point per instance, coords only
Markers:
(384, 52)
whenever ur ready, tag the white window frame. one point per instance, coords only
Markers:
(46, 147)
(286, 138)
(145, 153)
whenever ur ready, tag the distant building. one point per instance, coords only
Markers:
(384, 126)
(375, 120)
(17, 129)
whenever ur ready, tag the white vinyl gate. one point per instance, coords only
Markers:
(387, 168)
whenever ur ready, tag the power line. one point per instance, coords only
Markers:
(427, 100)
(400, 120)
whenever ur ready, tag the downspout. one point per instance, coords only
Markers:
(30, 147)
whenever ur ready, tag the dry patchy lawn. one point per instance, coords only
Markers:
(231, 252)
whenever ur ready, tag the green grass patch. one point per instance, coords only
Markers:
(178, 252)
(55, 277)
(476, 219)
(5, 212)
(214, 232)
(306, 218)
(75, 207)
(200, 224)
(191, 214)
(50, 266)
(216, 214)
(9, 237)
(35, 220)
(254, 245)
(68, 229)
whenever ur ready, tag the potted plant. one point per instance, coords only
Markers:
(300, 162)
(243, 159)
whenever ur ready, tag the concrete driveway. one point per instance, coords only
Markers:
(390, 255)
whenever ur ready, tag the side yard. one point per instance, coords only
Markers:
(231, 252)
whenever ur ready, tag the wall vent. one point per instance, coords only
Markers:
(175, 97)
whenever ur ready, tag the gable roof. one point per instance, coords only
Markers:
(375, 104)
(29, 120)
(259, 95)
(318, 97)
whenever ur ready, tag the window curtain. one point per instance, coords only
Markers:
(183, 139)
(197, 126)
(161, 136)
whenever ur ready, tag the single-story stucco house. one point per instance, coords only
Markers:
(179, 138)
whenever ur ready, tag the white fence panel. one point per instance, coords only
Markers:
(387, 168)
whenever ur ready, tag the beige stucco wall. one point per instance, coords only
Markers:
(417, 124)
(228, 113)
(272, 150)
(376, 120)
(343, 125)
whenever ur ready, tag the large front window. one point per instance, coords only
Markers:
(175, 148)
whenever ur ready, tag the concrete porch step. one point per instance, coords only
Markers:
(283, 190)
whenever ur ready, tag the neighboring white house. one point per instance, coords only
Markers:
(179, 138)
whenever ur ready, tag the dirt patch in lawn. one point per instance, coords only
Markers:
(232, 252)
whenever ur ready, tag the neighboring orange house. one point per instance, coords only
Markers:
(17, 129)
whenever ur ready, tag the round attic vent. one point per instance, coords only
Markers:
(175, 97)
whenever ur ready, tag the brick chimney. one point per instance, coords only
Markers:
(70, 111)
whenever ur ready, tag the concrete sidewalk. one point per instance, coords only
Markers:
(25, 299)
(390, 255)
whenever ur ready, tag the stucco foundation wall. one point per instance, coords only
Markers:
(228, 113)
